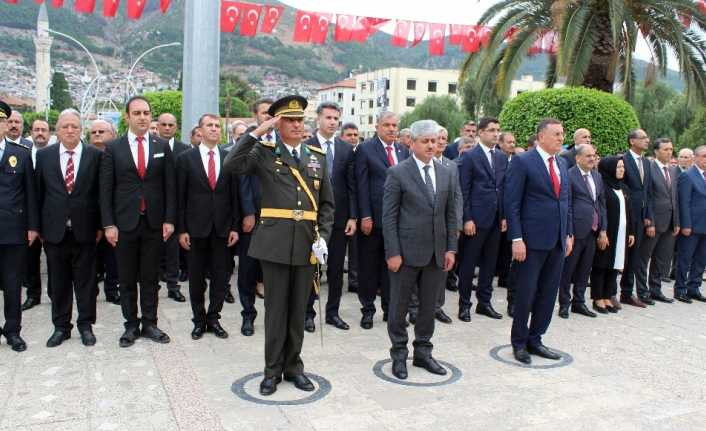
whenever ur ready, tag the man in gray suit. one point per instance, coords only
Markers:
(420, 226)
(658, 247)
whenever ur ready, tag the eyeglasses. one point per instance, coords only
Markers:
(167, 124)
(97, 132)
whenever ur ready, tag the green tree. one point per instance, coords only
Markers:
(161, 102)
(442, 109)
(59, 92)
(694, 135)
(662, 111)
(29, 118)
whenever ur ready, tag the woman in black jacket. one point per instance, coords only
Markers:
(610, 260)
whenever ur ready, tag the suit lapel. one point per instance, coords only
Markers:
(56, 165)
(151, 152)
(82, 163)
(539, 164)
(382, 153)
(125, 147)
(198, 163)
(414, 170)
(699, 181)
(287, 156)
(222, 154)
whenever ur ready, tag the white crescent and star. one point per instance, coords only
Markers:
(232, 11)
(306, 18)
(253, 12)
(273, 13)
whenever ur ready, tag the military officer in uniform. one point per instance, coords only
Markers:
(297, 212)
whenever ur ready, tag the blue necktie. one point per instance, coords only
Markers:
(329, 159)
(429, 184)
(295, 154)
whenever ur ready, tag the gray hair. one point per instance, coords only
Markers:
(424, 128)
(581, 149)
(108, 123)
(385, 115)
(405, 131)
(443, 129)
(700, 149)
(67, 112)
(232, 126)
(688, 152)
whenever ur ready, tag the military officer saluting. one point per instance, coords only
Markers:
(297, 212)
(19, 227)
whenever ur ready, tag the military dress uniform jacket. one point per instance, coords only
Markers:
(285, 240)
(18, 198)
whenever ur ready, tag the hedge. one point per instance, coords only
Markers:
(608, 117)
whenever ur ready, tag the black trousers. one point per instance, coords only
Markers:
(512, 281)
(169, 263)
(107, 264)
(479, 250)
(334, 274)
(427, 280)
(373, 274)
(604, 283)
(502, 269)
(249, 274)
(287, 290)
(33, 278)
(12, 257)
(70, 264)
(208, 254)
(353, 262)
(631, 264)
(577, 269)
(138, 253)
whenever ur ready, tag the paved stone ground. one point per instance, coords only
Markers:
(639, 369)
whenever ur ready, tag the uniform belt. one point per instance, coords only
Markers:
(295, 215)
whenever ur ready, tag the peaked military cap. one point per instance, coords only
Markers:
(292, 106)
(5, 110)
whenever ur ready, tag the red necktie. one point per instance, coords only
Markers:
(390, 158)
(553, 177)
(69, 177)
(141, 167)
(211, 171)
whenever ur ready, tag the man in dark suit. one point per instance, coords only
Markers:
(15, 127)
(349, 134)
(482, 175)
(692, 241)
(581, 136)
(468, 130)
(208, 219)
(173, 264)
(372, 159)
(658, 245)
(507, 143)
(339, 165)
(638, 179)
(68, 193)
(19, 227)
(295, 221)
(138, 209)
(538, 210)
(420, 224)
(590, 224)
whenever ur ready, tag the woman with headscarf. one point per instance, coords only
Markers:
(610, 260)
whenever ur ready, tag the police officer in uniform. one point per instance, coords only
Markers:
(19, 227)
(297, 212)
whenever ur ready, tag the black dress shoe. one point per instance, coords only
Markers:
(309, 324)
(412, 318)
(647, 300)
(337, 322)
(155, 334)
(229, 297)
(366, 322)
(217, 330)
(510, 309)
(16, 342)
(666, 279)
(522, 355)
(198, 332)
(488, 310)
(697, 297)
(183, 276)
(129, 336)
(29, 303)
(301, 382)
(176, 295)
(399, 369)
(268, 385)
(113, 299)
(564, 311)
(659, 296)
(582, 309)
(430, 365)
(683, 298)
(248, 327)
(57, 338)
(598, 308)
(87, 337)
(442, 317)
(543, 352)
(611, 309)
(464, 314)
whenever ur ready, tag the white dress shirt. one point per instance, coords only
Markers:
(203, 149)
(592, 185)
(661, 167)
(132, 140)
(2, 148)
(171, 144)
(432, 174)
(638, 162)
(64, 159)
(298, 148)
(394, 151)
(488, 156)
(34, 156)
(545, 158)
(322, 142)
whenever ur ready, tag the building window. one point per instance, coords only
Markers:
(353, 97)
(340, 97)
(352, 112)
(371, 104)
(410, 102)
(411, 84)
(363, 86)
(387, 84)
(370, 119)
(362, 104)
(372, 85)
(453, 88)
(431, 87)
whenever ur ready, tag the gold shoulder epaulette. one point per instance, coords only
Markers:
(267, 144)
(316, 149)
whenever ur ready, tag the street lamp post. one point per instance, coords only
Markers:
(128, 83)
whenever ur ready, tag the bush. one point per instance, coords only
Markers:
(161, 102)
(608, 117)
(442, 109)
(694, 135)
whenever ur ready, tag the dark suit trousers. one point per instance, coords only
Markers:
(170, 262)
(512, 281)
(631, 264)
(33, 278)
(479, 250)
(71, 271)
(604, 283)
(655, 252)
(429, 279)
(106, 264)
(12, 257)
(577, 269)
(537, 286)
(690, 263)
(373, 274)
(334, 274)
(208, 254)
(353, 262)
(138, 253)
(414, 299)
(249, 273)
(287, 290)
(502, 269)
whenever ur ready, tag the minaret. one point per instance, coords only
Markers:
(42, 43)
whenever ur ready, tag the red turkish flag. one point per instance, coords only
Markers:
(399, 37)
(374, 24)
(303, 24)
(85, 6)
(319, 30)
(536, 47)
(57, 3)
(420, 28)
(550, 43)
(37, 1)
(457, 32)
(11, 1)
(437, 33)
(270, 18)
(251, 18)
(702, 6)
(344, 28)
(230, 14)
(110, 7)
(135, 8)
(361, 29)
(471, 42)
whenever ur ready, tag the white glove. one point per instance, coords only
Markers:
(320, 250)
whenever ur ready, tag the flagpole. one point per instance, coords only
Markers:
(201, 64)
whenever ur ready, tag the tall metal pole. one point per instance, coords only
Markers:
(201, 65)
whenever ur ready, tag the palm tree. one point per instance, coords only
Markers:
(596, 42)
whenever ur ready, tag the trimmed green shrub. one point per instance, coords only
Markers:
(608, 117)
(161, 102)
(442, 109)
